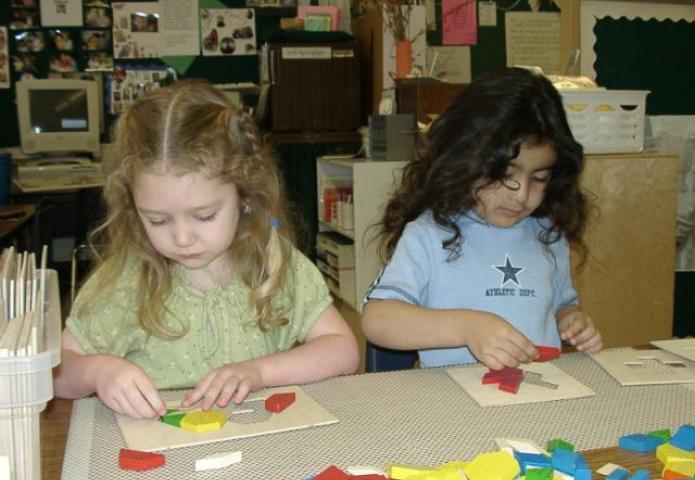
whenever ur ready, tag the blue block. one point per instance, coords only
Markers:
(640, 474)
(582, 473)
(579, 461)
(531, 460)
(684, 438)
(563, 460)
(640, 442)
(618, 474)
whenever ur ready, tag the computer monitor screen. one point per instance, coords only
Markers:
(58, 115)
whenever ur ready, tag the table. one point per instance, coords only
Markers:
(55, 421)
(13, 218)
(416, 416)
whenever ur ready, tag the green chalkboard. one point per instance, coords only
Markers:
(648, 55)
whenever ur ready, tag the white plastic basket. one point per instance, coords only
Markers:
(26, 384)
(606, 121)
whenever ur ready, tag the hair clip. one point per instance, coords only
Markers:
(273, 223)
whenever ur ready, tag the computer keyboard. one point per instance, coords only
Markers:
(59, 174)
(59, 184)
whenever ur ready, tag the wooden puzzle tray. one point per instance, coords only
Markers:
(415, 416)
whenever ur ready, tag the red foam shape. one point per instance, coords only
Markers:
(547, 353)
(496, 376)
(137, 460)
(511, 385)
(277, 402)
(332, 473)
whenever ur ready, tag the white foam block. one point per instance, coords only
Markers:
(219, 460)
(608, 468)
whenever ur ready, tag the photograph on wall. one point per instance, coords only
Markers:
(24, 65)
(99, 62)
(136, 30)
(4, 59)
(96, 40)
(62, 62)
(61, 13)
(128, 84)
(62, 40)
(29, 41)
(21, 18)
(97, 17)
(228, 31)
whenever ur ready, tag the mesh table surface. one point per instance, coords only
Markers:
(415, 416)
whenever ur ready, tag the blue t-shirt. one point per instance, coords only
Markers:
(506, 271)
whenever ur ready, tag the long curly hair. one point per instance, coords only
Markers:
(187, 127)
(470, 146)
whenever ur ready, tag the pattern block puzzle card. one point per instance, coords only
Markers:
(530, 391)
(683, 347)
(246, 420)
(645, 367)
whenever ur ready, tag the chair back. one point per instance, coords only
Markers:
(380, 359)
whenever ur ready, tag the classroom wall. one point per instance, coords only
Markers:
(229, 69)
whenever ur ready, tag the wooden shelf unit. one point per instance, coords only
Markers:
(372, 183)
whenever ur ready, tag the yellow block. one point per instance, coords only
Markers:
(665, 451)
(203, 421)
(401, 471)
(684, 466)
(492, 466)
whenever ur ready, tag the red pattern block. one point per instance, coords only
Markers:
(508, 379)
(511, 385)
(332, 473)
(496, 376)
(546, 353)
(277, 402)
(137, 460)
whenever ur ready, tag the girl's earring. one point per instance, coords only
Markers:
(246, 208)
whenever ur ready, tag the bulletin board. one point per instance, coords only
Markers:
(490, 52)
(216, 69)
(642, 46)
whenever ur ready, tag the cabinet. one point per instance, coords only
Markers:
(425, 97)
(627, 283)
(346, 243)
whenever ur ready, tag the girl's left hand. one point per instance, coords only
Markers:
(230, 382)
(577, 329)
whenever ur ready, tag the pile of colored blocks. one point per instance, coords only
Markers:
(676, 453)
(558, 461)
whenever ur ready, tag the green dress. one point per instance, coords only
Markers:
(221, 321)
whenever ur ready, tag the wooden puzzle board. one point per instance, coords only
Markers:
(644, 367)
(683, 347)
(469, 378)
(305, 412)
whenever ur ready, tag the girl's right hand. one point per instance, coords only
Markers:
(497, 344)
(126, 388)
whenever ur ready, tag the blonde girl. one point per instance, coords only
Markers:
(197, 283)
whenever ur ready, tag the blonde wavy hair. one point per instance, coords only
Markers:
(187, 127)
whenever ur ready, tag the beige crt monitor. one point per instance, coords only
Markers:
(58, 115)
